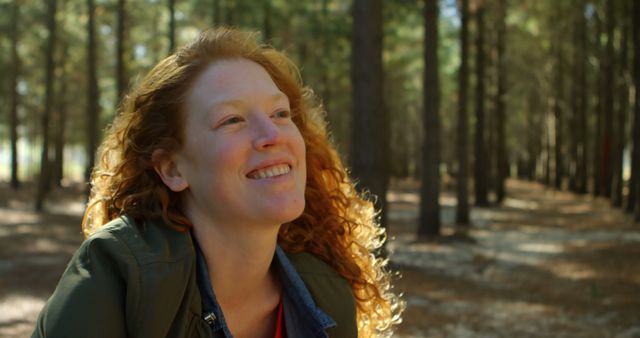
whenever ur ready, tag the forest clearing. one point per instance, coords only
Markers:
(544, 264)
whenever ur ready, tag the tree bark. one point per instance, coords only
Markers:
(481, 155)
(635, 165)
(621, 113)
(61, 116)
(502, 168)
(266, 23)
(462, 194)
(15, 96)
(216, 18)
(430, 191)
(43, 180)
(93, 95)
(558, 114)
(600, 84)
(172, 26)
(370, 134)
(121, 77)
(607, 158)
(581, 169)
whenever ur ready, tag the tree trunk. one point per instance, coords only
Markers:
(172, 26)
(61, 116)
(462, 194)
(481, 164)
(216, 18)
(607, 158)
(621, 112)
(634, 180)
(430, 190)
(635, 165)
(370, 134)
(502, 163)
(600, 84)
(575, 104)
(93, 108)
(266, 23)
(559, 118)
(121, 77)
(581, 169)
(15, 97)
(43, 181)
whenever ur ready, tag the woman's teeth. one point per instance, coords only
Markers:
(270, 171)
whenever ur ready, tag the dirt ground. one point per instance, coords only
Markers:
(544, 264)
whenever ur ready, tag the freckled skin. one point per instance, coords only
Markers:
(237, 121)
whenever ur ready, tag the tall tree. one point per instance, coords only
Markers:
(216, 18)
(60, 111)
(607, 163)
(502, 165)
(600, 86)
(462, 207)
(635, 166)
(93, 95)
(121, 77)
(430, 190)
(558, 114)
(620, 133)
(581, 170)
(13, 116)
(370, 134)
(172, 26)
(43, 180)
(266, 21)
(481, 168)
(633, 200)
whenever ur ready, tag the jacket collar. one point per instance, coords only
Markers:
(303, 318)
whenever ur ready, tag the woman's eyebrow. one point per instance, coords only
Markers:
(238, 103)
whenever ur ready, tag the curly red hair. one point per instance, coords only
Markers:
(339, 226)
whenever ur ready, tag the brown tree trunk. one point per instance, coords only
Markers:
(121, 77)
(558, 114)
(481, 168)
(607, 156)
(93, 95)
(172, 26)
(581, 169)
(61, 116)
(216, 18)
(598, 128)
(620, 114)
(502, 167)
(430, 190)
(462, 177)
(370, 134)
(44, 178)
(635, 164)
(266, 22)
(15, 97)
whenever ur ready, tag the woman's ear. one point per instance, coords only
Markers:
(165, 165)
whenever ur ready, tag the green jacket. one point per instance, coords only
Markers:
(140, 281)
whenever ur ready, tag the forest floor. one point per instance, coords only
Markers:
(544, 264)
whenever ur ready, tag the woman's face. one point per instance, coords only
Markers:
(243, 158)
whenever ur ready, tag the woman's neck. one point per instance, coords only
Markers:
(239, 261)
(242, 276)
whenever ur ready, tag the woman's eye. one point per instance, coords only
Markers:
(282, 114)
(232, 120)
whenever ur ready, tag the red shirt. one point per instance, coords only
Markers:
(280, 329)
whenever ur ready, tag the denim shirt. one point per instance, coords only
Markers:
(302, 317)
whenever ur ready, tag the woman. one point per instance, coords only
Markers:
(219, 208)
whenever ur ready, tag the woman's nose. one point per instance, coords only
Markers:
(267, 134)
